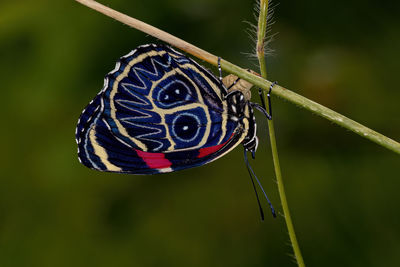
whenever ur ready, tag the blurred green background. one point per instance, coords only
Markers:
(343, 191)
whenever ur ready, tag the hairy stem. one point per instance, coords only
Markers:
(261, 31)
(250, 77)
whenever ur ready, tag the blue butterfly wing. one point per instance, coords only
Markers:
(159, 111)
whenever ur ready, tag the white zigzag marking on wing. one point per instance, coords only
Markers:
(155, 71)
(162, 64)
(144, 136)
(139, 78)
(143, 87)
(146, 115)
(141, 102)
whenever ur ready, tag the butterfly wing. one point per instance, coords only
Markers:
(159, 111)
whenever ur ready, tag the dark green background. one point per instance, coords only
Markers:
(343, 190)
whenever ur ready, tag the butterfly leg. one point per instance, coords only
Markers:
(269, 99)
(261, 109)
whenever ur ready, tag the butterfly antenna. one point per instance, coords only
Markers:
(251, 173)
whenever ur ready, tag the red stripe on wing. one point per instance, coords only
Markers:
(154, 160)
(205, 151)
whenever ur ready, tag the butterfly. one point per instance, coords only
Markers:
(160, 111)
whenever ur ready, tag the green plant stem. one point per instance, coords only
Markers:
(250, 77)
(261, 30)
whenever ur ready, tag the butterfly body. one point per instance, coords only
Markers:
(160, 111)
